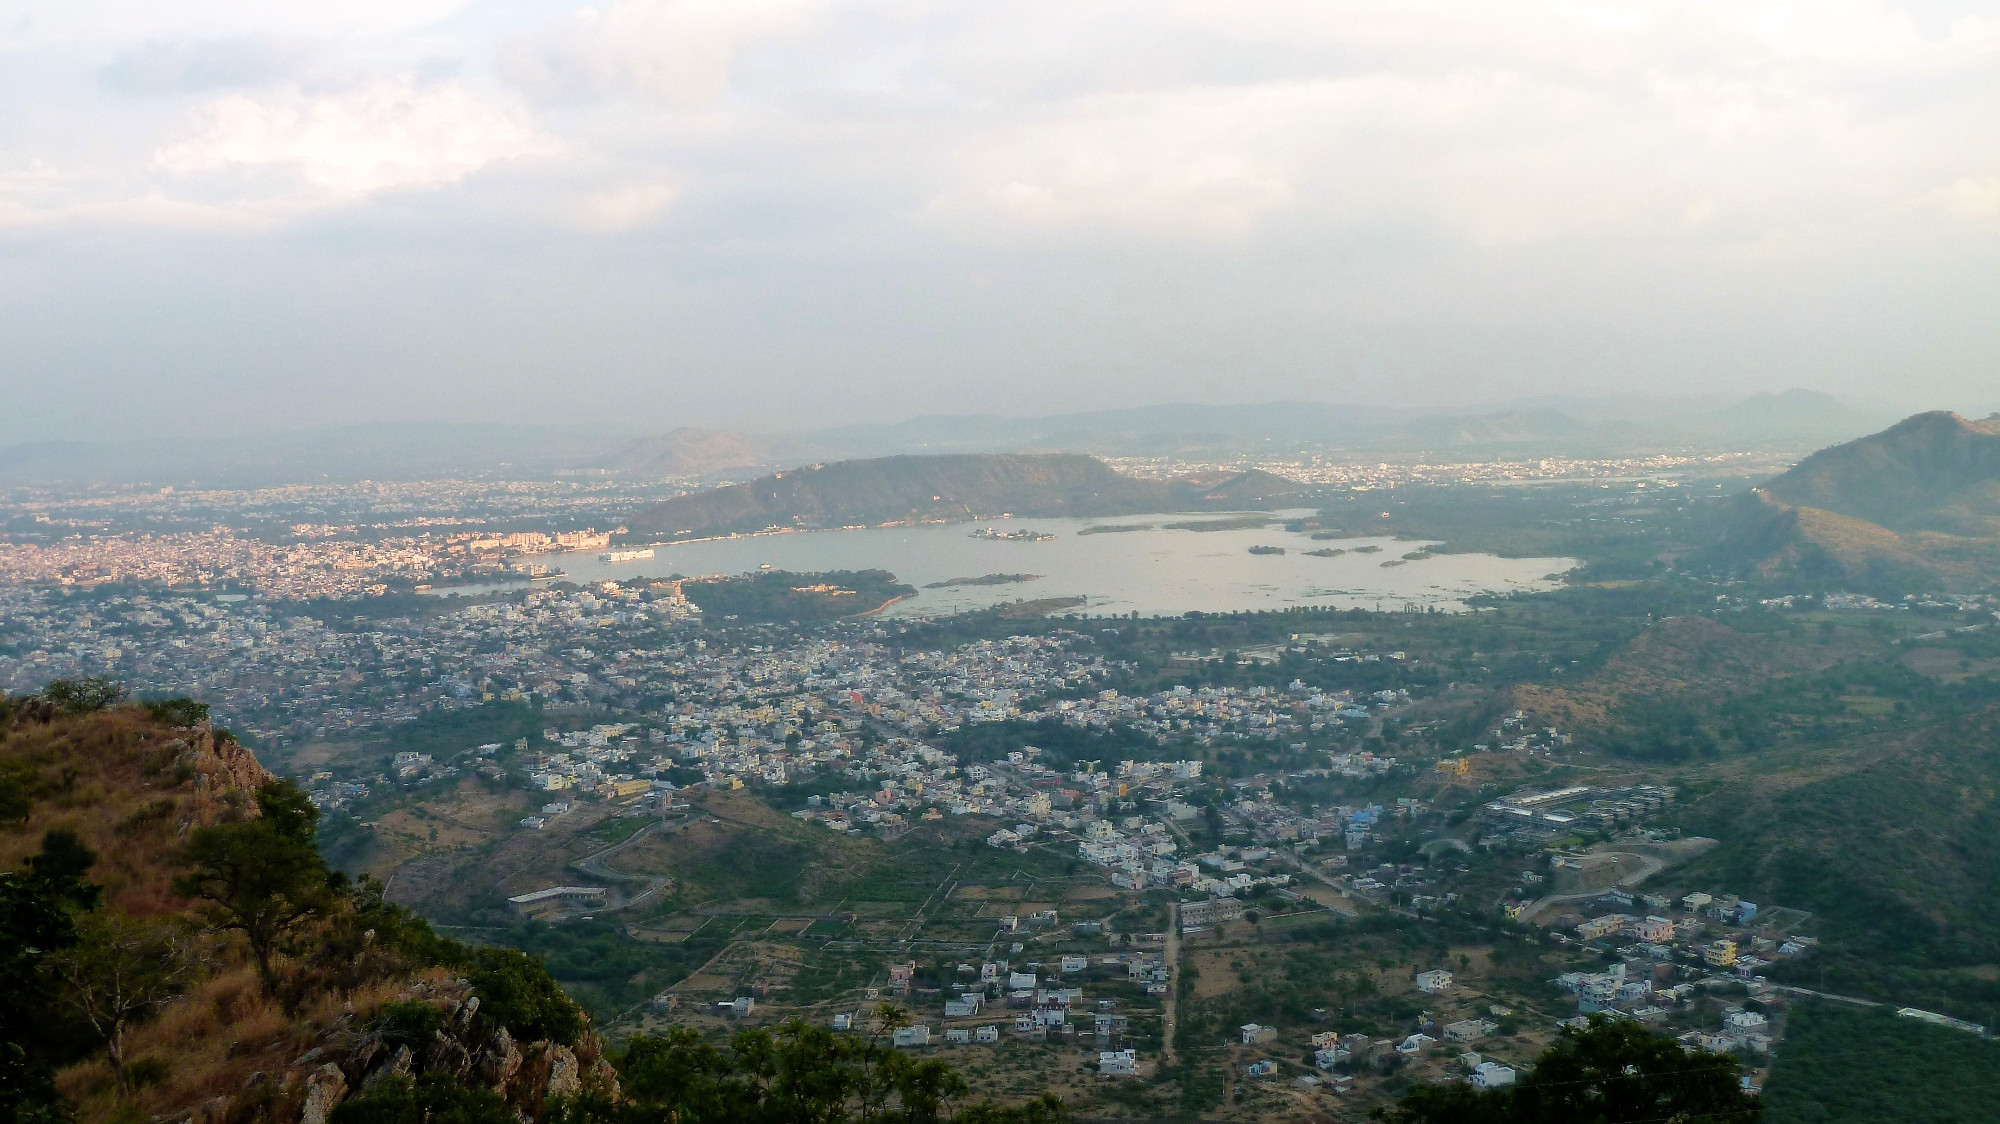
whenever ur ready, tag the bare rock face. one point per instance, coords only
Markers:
(565, 1076)
(445, 1055)
(500, 1061)
(225, 763)
(398, 1065)
(325, 1089)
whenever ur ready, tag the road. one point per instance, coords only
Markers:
(593, 865)
(1648, 866)
(1173, 985)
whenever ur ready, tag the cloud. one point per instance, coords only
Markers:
(192, 66)
(388, 133)
(674, 51)
(623, 207)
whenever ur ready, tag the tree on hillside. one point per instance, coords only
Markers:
(119, 974)
(36, 922)
(262, 877)
(83, 696)
(1615, 1072)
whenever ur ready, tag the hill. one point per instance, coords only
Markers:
(175, 949)
(688, 452)
(959, 486)
(1918, 503)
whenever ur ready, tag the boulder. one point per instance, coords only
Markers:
(325, 1089)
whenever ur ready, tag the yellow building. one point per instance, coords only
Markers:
(624, 788)
(1721, 954)
(1455, 766)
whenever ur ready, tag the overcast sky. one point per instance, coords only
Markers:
(229, 214)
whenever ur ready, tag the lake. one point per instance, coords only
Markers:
(1153, 572)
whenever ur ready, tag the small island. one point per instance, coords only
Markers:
(1325, 552)
(1267, 550)
(1114, 528)
(999, 535)
(1418, 556)
(985, 579)
(1232, 523)
(1367, 550)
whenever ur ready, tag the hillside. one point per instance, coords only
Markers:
(1931, 472)
(158, 866)
(964, 486)
(1916, 503)
(688, 452)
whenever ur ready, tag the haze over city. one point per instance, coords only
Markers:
(771, 214)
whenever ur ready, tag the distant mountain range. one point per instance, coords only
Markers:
(1919, 500)
(949, 486)
(1794, 420)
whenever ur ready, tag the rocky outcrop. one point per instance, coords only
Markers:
(221, 763)
(325, 1089)
(348, 1060)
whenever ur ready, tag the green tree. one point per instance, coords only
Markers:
(1611, 1073)
(119, 973)
(36, 922)
(262, 877)
(83, 696)
(430, 1099)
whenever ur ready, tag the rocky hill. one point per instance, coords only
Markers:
(172, 949)
(1931, 472)
(910, 489)
(688, 452)
(1916, 503)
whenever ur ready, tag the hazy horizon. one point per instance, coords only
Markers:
(776, 215)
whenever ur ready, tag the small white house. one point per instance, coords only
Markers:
(919, 1035)
(1491, 1075)
(1434, 981)
(1253, 1033)
(1117, 1063)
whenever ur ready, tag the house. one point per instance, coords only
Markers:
(1743, 1022)
(1253, 1033)
(919, 1035)
(1654, 930)
(958, 1036)
(1264, 1068)
(963, 1007)
(1720, 953)
(1433, 981)
(1416, 1043)
(1117, 1063)
(1696, 902)
(1074, 964)
(1469, 1030)
(1601, 926)
(843, 1021)
(1328, 1057)
(742, 1006)
(986, 1035)
(1492, 1075)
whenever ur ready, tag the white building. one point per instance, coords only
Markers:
(1491, 1075)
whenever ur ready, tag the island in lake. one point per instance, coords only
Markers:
(1114, 528)
(985, 579)
(1233, 523)
(999, 535)
(1325, 552)
(1267, 550)
(1367, 550)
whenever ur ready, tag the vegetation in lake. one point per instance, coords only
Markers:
(984, 579)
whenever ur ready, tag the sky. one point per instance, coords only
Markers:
(224, 215)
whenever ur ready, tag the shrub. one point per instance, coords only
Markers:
(516, 991)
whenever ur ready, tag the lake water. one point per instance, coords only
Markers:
(1153, 572)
